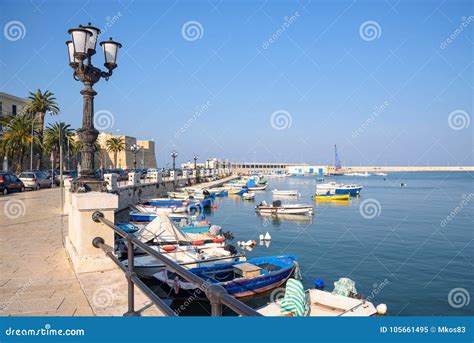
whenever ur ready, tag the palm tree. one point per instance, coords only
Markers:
(51, 141)
(16, 138)
(39, 103)
(115, 145)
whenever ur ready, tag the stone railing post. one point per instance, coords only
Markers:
(111, 180)
(133, 179)
(82, 230)
(67, 196)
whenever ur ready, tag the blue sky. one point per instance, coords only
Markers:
(384, 95)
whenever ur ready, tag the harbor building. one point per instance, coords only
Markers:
(306, 169)
(262, 167)
(10, 105)
(145, 156)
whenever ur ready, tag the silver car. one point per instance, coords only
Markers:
(35, 180)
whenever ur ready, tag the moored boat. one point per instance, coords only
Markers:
(279, 192)
(248, 196)
(320, 303)
(239, 279)
(278, 208)
(338, 188)
(332, 197)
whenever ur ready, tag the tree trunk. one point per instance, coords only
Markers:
(40, 125)
(115, 159)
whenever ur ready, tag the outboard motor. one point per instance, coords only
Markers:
(206, 194)
(277, 203)
(230, 248)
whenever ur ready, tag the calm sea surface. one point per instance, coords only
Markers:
(412, 247)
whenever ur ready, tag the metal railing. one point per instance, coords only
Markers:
(216, 294)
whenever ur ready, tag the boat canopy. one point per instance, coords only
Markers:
(251, 183)
(162, 229)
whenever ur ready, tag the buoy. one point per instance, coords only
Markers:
(381, 309)
(197, 243)
(169, 248)
(319, 284)
(267, 237)
(214, 206)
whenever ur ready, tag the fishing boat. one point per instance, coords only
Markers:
(332, 197)
(380, 174)
(248, 196)
(239, 279)
(338, 188)
(366, 174)
(189, 250)
(278, 208)
(285, 192)
(144, 208)
(320, 303)
(166, 202)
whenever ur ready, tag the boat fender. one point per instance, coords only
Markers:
(218, 240)
(381, 309)
(197, 243)
(319, 284)
(214, 207)
(169, 248)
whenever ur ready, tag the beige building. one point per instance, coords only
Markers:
(10, 105)
(145, 156)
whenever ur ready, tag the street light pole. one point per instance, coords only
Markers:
(80, 51)
(174, 154)
(135, 148)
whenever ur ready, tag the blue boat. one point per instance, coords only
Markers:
(240, 279)
(132, 228)
(163, 202)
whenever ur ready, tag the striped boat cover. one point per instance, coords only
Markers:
(294, 302)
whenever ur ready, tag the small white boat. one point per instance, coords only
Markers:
(257, 188)
(380, 174)
(278, 208)
(285, 192)
(248, 195)
(366, 174)
(320, 303)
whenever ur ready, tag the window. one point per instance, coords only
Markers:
(14, 110)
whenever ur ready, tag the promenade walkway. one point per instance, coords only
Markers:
(36, 276)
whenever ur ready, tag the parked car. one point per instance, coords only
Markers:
(35, 179)
(10, 183)
(67, 174)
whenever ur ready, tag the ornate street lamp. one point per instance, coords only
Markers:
(174, 154)
(195, 161)
(81, 48)
(135, 148)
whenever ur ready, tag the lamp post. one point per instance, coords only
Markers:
(32, 136)
(135, 148)
(195, 161)
(80, 51)
(174, 154)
